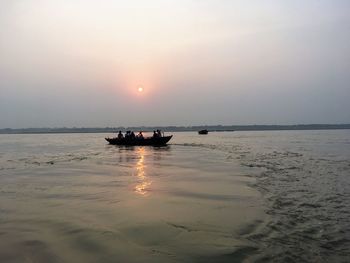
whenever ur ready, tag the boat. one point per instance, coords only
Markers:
(151, 141)
(203, 132)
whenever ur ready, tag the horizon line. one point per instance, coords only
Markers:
(177, 126)
(211, 128)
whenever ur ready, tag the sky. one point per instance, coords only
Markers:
(80, 63)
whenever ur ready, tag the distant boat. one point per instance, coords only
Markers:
(203, 132)
(152, 141)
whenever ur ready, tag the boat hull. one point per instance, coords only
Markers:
(152, 141)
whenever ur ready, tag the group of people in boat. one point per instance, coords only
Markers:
(131, 135)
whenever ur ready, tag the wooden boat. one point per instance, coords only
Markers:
(152, 141)
(203, 132)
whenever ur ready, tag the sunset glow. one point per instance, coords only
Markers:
(226, 56)
(144, 183)
(174, 131)
(140, 89)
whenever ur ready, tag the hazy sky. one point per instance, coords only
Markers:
(80, 62)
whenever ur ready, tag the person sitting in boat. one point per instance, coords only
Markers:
(159, 133)
(120, 135)
(140, 135)
(155, 135)
(127, 135)
(132, 135)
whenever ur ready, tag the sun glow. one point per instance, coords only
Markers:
(140, 89)
(144, 183)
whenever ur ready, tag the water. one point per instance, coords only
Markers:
(281, 196)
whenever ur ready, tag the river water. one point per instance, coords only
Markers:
(277, 196)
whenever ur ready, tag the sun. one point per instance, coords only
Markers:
(140, 89)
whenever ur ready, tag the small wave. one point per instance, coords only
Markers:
(309, 205)
(182, 227)
(200, 145)
(214, 197)
(241, 254)
(45, 160)
(233, 151)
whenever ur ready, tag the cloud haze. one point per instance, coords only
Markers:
(79, 63)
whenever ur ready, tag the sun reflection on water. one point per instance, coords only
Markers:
(144, 183)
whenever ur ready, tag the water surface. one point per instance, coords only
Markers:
(223, 197)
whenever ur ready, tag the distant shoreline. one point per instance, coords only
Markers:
(211, 128)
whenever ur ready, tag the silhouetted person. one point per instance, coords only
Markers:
(120, 135)
(140, 135)
(155, 135)
(159, 133)
(132, 135)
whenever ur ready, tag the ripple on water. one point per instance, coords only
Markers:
(307, 199)
(67, 196)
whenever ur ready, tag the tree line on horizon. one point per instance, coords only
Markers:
(212, 128)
